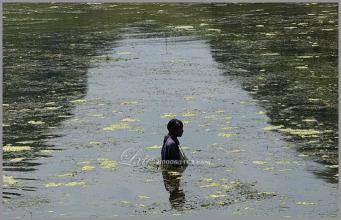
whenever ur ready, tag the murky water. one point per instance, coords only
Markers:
(254, 84)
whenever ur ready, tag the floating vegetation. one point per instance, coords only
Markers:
(88, 167)
(78, 101)
(270, 34)
(310, 120)
(301, 67)
(189, 114)
(290, 27)
(36, 122)
(301, 132)
(143, 197)
(214, 184)
(46, 151)
(18, 159)
(269, 128)
(125, 202)
(206, 179)
(270, 54)
(259, 162)
(267, 193)
(214, 29)
(54, 184)
(168, 115)
(235, 151)
(8, 181)
(129, 120)
(123, 52)
(189, 98)
(64, 116)
(184, 27)
(10, 148)
(95, 142)
(261, 113)
(53, 108)
(108, 164)
(154, 147)
(50, 103)
(332, 166)
(217, 196)
(129, 103)
(228, 128)
(116, 126)
(305, 203)
(226, 135)
(67, 174)
(305, 57)
(303, 155)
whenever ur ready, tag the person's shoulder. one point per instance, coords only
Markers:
(170, 142)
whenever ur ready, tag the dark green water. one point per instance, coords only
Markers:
(71, 70)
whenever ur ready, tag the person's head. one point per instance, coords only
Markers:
(175, 127)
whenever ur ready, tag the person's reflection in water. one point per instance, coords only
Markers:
(171, 178)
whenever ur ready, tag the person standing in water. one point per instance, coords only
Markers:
(171, 152)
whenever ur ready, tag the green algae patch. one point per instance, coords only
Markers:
(18, 159)
(235, 151)
(55, 184)
(184, 27)
(127, 120)
(189, 98)
(270, 128)
(154, 147)
(109, 164)
(10, 148)
(217, 195)
(67, 174)
(117, 126)
(129, 103)
(36, 122)
(78, 101)
(168, 115)
(213, 184)
(228, 128)
(301, 132)
(267, 193)
(143, 197)
(125, 202)
(88, 167)
(304, 203)
(261, 113)
(226, 135)
(8, 181)
(53, 108)
(257, 162)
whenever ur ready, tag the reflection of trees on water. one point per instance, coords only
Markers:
(287, 61)
(45, 67)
